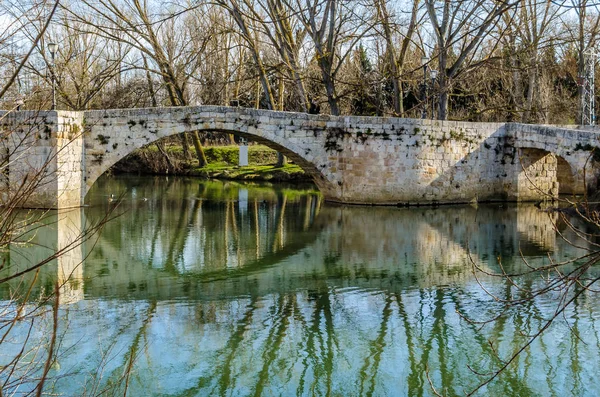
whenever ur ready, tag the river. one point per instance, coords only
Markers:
(204, 288)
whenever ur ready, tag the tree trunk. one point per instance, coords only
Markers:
(443, 81)
(527, 114)
(161, 149)
(281, 160)
(391, 52)
(329, 89)
(202, 162)
(150, 84)
(226, 99)
(174, 89)
(516, 102)
(289, 47)
(185, 144)
(443, 105)
(406, 42)
(252, 44)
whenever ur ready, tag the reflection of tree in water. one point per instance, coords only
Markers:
(203, 228)
(300, 342)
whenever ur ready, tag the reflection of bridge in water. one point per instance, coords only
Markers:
(57, 244)
(282, 295)
(147, 243)
(382, 248)
(275, 242)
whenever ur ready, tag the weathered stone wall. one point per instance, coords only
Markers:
(42, 159)
(394, 161)
(360, 160)
(363, 160)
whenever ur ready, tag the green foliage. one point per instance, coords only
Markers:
(594, 151)
(257, 154)
(287, 172)
(222, 163)
(225, 155)
(364, 98)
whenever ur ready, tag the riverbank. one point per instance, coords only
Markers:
(222, 164)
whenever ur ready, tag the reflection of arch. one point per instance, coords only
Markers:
(199, 233)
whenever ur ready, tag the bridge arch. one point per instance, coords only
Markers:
(575, 147)
(542, 171)
(112, 135)
(574, 167)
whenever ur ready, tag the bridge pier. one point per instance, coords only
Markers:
(41, 159)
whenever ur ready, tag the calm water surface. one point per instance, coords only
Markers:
(224, 288)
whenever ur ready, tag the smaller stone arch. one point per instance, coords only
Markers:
(542, 174)
(577, 165)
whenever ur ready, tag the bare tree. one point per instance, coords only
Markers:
(161, 40)
(249, 33)
(85, 65)
(396, 60)
(459, 27)
(334, 27)
(584, 33)
(22, 18)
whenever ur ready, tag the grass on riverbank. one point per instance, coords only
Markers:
(223, 164)
(252, 172)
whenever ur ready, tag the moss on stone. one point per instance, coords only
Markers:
(102, 139)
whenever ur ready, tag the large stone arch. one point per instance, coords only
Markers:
(113, 134)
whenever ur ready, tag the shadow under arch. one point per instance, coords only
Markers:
(564, 175)
(548, 171)
(308, 167)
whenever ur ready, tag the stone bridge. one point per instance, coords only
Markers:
(58, 155)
